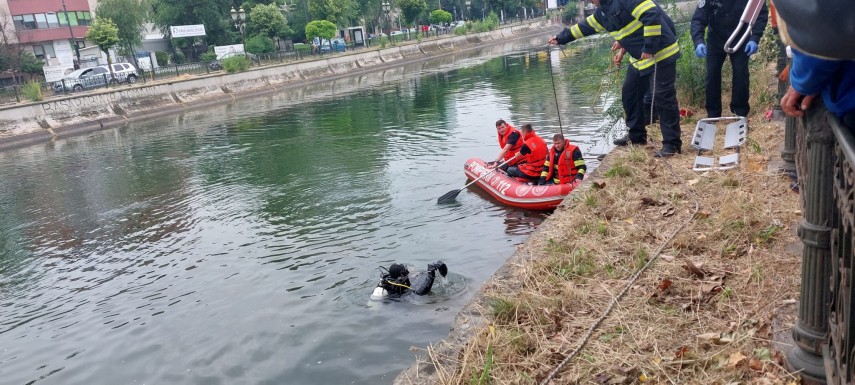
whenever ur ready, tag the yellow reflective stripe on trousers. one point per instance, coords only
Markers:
(659, 56)
(626, 31)
(652, 30)
(577, 33)
(641, 8)
(592, 21)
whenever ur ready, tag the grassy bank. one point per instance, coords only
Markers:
(651, 273)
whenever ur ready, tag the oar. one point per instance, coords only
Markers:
(449, 196)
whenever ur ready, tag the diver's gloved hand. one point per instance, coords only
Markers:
(751, 48)
(438, 265)
(701, 50)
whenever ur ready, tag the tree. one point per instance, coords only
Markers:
(440, 17)
(105, 34)
(267, 20)
(129, 16)
(259, 44)
(320, 28)
(213, 14)
(411, 9)
(339, 12)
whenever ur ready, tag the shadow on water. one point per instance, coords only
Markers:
(243, 240)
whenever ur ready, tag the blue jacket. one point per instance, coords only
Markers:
(834, 78)
(640, 26)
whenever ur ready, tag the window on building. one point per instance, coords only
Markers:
(83, 18)
(52, 20)
(41, 21)
(72, 18)
(19, 22)
(43, 52)
(29, 22)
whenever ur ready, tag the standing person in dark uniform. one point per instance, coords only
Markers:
(564, 163)
(719, 18)
(644, 30)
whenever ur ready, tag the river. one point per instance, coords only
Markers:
(239, 244)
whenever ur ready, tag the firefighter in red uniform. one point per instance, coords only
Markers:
(564, 164)
(510, 140)
(531, 156)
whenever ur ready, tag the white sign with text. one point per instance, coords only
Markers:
(187, 30)
(225, 49)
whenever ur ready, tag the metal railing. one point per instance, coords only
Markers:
(825, 330)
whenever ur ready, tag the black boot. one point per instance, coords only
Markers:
(625, 141)
(666, 151)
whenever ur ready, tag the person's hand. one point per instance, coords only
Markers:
(795, 104)
(616, 46)
(751, 48)
(701, 50)
(553, 40)
(575, 183)
(541, 181)
(618, 57)
(646, 55)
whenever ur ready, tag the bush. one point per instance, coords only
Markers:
(303, 49)
(162, 58)
(260, 44)
(32, 91)
(461, 30)
(208, 56)
(178, 57)
(235, 64)
(690, 78)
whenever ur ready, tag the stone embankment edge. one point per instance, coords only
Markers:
(22, 125)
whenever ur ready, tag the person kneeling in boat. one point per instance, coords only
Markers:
(397, 281)
(531, 156)
(564, 163)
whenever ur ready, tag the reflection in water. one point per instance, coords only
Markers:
(236, 242)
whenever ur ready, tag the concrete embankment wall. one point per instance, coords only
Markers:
(41, 121)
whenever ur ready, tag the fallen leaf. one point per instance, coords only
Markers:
(701, 237)
(668, 211)
(669, 258)
(629, 220)
(703, 214)
(665, 284)
(694, 269)
(755, 364)
(763, 354)
(735, 359)
(693, 182)
(681, 351)
(643, 378)
(600, 185)
(651, 202)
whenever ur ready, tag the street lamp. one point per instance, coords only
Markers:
(454, 8)
(469, 9)
(71, 31)
(239, 17)
(386, 9)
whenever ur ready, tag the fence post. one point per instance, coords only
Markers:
(788, 154)
(815, 163)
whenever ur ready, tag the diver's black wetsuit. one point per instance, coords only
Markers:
(396, 281)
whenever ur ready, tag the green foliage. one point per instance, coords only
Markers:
(483, 378)
(303, 49)
(162, 58)
(503, 309)
(440, 17)
(129, 16)
(214, 14)
(267, 20)
(690, 70)
(235, 64)
(208, 56)
(260, 44)
(32, 91)
(411, 9)
(28, 63)
(460, 30)
(339, 12)
(320, 28)
(178, 57)
(569, 13)
(104, 33)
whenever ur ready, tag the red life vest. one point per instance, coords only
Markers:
(532, 164)
(566, 165)
(503, 140)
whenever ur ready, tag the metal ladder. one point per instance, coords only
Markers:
(703, 140)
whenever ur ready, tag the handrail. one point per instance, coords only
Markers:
(749, 17)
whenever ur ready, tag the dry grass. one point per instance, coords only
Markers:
(700, 314)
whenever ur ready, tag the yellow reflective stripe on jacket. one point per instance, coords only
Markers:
(659, 56)
(592, 21)
(652, 30)
(576, 31)
(580, 162)
(643, 7)
(626, 31)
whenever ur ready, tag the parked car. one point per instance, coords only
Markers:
(96, 77)
(216, 65)
(337, 45)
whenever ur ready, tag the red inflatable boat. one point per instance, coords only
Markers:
(513, 192)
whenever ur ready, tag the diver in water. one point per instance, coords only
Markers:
(397, 281)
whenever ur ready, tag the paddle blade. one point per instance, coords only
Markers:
(448, 197)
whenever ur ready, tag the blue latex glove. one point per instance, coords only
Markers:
(701, 50)
(751, 48)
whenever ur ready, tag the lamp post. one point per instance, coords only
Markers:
(71, 31)
(469, 9)
(239, 18)
(454, 8)
(386, 9)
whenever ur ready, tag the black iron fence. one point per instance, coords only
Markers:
(36, 91)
